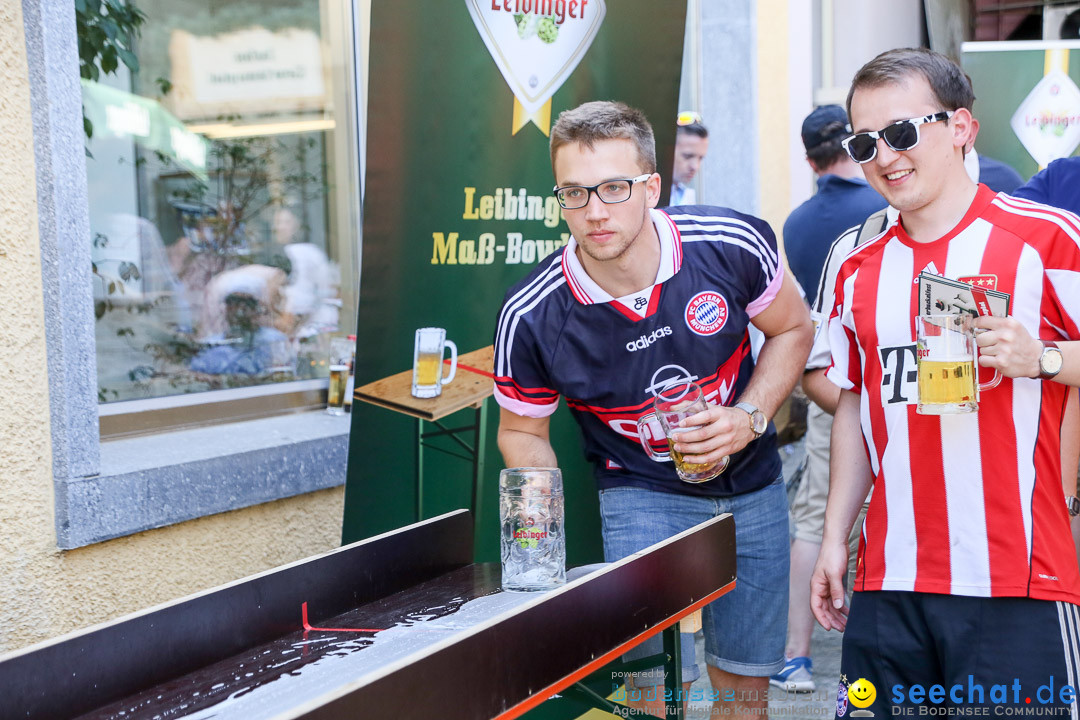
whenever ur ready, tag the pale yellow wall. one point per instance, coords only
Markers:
(45, 592)
(774, 155)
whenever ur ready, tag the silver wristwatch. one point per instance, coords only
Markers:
(758, 422)
(1050, 360)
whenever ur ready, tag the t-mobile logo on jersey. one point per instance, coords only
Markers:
(899, 375)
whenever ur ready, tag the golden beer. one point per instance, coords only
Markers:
(947, 386)
(428, 348)
(335, 396)
(427, 368)
(694, 472)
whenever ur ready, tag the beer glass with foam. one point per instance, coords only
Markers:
(427, 379)
(670, 406)
(948, 363)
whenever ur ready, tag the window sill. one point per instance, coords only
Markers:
(158, 480)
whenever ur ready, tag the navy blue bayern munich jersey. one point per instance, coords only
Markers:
(559, 333)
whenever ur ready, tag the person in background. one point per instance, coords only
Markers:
(992, 173)
(1057, 184)
(691, 145)
(843, 199)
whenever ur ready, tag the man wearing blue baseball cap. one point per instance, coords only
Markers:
(843, 199)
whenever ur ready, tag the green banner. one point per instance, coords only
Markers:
(458, 207)
(1027, 100)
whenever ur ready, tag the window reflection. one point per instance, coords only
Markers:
(212, 182)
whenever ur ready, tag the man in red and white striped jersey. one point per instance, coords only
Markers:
(967, 575)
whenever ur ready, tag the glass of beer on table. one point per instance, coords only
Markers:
(948, 365)
(341, 354)
(670, 407)
(428, 351)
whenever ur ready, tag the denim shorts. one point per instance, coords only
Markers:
(745, 629)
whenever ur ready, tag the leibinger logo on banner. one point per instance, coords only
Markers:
(536, 45)
(512, 248)
(1048, 121)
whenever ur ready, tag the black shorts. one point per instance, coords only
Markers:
(947, 656)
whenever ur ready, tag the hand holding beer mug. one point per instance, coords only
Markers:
(427, 379)
(948, 365)
(341, 352)
(670, 407)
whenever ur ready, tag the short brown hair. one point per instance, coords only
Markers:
(604, 120)
(951, 87)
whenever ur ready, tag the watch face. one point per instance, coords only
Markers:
(758, 422)
(1050, 362)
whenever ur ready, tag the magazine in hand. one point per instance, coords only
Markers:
(941, 296)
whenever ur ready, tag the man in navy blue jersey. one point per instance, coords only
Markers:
(641, 300)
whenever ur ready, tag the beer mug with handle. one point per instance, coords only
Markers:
(533, 539)
(427, 379)
(670, 407)
(948, 365)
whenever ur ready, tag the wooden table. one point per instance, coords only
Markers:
(471, 386)
(468, 388)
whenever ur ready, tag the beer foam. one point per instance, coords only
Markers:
(944, 348)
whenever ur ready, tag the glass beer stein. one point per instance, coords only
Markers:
(532, 543)
(948, 365)
(428, 350)
(670, 406)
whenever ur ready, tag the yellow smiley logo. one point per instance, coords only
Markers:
(862, 693)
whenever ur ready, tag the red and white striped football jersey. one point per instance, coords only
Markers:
(963, 504)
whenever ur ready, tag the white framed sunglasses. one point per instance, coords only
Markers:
(901, 135)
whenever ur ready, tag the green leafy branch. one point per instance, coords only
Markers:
(107, 31)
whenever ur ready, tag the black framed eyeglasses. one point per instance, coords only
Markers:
(574, 197)
(901, 135)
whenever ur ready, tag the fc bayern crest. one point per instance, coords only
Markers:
(841, 699)
(706, 313)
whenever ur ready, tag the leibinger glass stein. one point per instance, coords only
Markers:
(428, 351)
(532, 542)
(670, 407)
(948, 360)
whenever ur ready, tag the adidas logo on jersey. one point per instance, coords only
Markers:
(930, 269)
(646, 340)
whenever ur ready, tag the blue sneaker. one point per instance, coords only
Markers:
(797, 676)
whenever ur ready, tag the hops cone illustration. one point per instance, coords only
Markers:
(536, 44)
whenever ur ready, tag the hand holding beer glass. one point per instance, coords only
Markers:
(428, 360)
(670, 407)
(948, 364)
